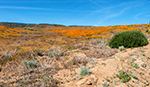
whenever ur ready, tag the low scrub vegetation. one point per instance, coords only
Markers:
(29, 64)
(124, 76)
(83, 71)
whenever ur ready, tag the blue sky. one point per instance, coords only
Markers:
(76, 12)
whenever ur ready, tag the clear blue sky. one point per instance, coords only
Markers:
(76, 12)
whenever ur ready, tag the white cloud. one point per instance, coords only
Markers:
(36, 8)
(41, 1)
(113, 15)
(113, 11)
(95, 3)
(17, 7)
(46, 1)
(105, 9)
(117, 14)
(137, 15)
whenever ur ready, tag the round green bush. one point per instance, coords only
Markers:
(128, 39)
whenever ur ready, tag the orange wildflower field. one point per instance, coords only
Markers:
(27, 39)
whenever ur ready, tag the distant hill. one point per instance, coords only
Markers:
(78, 26)
(13, 24)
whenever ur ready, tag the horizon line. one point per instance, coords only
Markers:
(72, 24)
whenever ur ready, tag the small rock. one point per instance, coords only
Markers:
(81, 82)
(111, 81)
(146, 83)
(126, 61)
(143, 65)
(141, 73)
(89, 82)
(95, 79)
(80, 78)
(104, 64)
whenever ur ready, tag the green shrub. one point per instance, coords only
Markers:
(29, 64)
(84, 71)
(128, 39)
(124, 76)
(135, 65)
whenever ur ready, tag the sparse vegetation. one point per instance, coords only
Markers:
(83, 71)
(134, 58)
(121, 48)
(29, 64)
(48, 81)
(105, 85)
(79, 60)
(135, 65)
(51, 56)
(103, 43)
(124, 76)
(134, 76)
(32, 29)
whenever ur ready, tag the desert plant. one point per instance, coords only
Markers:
(52, 54)
(105, 85)
(128, 39)
(143, 54)
(121, 48)
(134, 58)
(29, 64)
(124, 76)
(49, 81)
(135, 65)
(103, 43)
(9, 54)
(56, 52)
(134, 76)
(83, 71)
